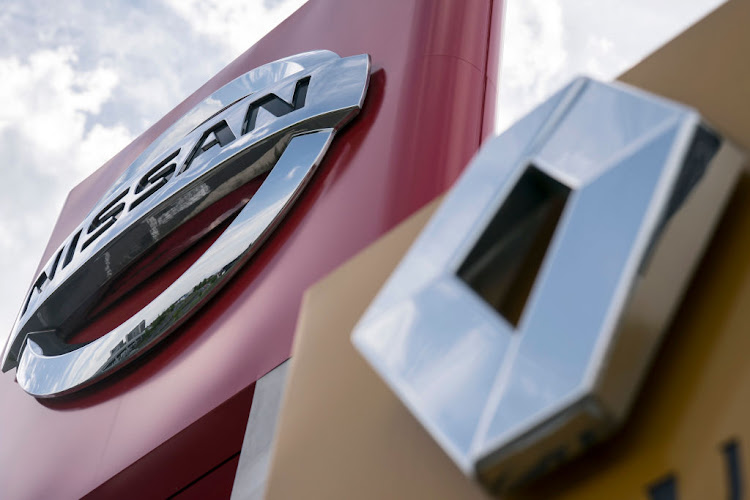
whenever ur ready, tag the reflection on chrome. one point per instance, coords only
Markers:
(519, 325)
(278, 119)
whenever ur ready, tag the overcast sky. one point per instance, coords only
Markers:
(81, 79)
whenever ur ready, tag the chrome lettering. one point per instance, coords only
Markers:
(192, 164)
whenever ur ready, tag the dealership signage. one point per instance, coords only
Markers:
(275, 121)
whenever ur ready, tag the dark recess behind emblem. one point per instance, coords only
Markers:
(505, 261)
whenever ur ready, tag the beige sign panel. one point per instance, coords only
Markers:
(342, 433)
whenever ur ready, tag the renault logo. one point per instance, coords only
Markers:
(521, 323)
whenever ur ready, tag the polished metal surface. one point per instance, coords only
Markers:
(519, 325)
(277, 119)
(255, 458)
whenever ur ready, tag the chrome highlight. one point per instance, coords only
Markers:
(277, 119)
(520, 324)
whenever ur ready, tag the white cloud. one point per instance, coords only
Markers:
(534, 56)
(98, 145)
(47, 146)
(236, 23)
(549, 42)
(48, 113)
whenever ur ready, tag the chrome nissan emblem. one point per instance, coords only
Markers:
(278, 119)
